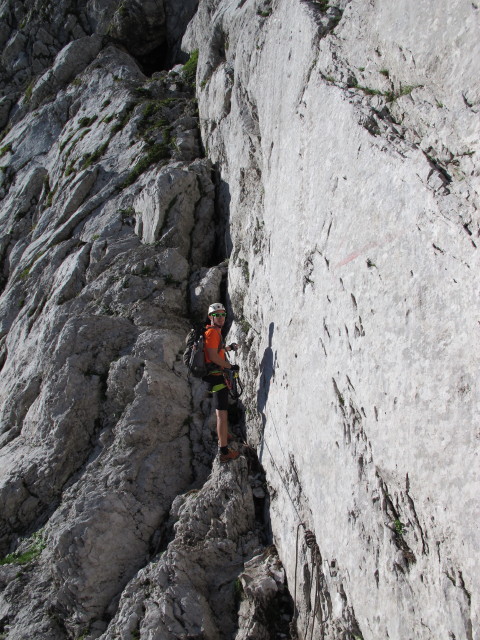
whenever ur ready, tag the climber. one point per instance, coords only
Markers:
(216, 361)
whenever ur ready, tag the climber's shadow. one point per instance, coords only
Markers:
(267, 369)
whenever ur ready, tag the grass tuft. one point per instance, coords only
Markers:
(90, 158)
(155, 153)
(86, 122)
(35, 549)
(5, 149)
(190, 68)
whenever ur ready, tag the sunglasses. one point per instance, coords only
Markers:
(218, 315)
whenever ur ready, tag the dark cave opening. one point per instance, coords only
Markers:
(156, 60)
(162, 58)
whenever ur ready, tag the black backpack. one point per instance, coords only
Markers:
(194, 355)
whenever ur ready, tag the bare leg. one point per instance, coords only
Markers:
(222, 427)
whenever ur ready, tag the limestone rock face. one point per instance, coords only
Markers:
(104, 220)
(321, 178)
(348, 141)
(190, 591)
(260, 613)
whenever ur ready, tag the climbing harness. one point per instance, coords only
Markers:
(217, 387)
(233, 383)
(230, 381)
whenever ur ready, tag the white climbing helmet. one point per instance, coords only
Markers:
(216, 306)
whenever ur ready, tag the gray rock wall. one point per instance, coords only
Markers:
(348, 139)
(106, 220)
(337, 170)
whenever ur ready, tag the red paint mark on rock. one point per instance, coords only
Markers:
(368, 247)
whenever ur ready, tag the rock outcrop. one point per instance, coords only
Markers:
(348, 140)
(318, 170)
(191, 590)
(108, 251)
(107, 209)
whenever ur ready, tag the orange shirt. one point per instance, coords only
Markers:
(214, 340)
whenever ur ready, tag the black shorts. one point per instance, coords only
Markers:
(220, 397)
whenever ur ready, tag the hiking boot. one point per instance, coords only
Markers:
(231, 455)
